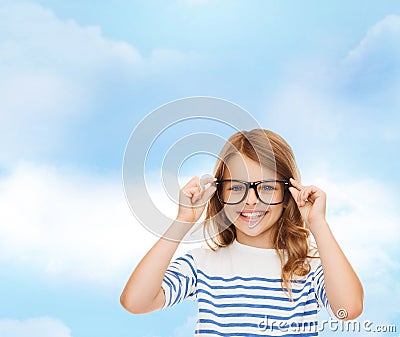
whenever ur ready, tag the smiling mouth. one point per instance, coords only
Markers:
(252, 217)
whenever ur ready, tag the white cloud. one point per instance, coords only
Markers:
(54, 71)
(371, 70)
(187, 328)
(379, 38)
(307, 111)
(34, 327)
(320, 103)
(67, 48)
(70, 226)
(363, 212)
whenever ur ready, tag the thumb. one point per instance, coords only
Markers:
(294, 192)
(208, 193)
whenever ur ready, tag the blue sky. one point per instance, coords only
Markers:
(76, 77)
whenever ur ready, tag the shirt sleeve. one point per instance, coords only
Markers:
(180, 280)
(319, 286)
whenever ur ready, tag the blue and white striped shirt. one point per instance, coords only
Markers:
(238, 289)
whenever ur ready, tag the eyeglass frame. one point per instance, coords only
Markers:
(253, 185)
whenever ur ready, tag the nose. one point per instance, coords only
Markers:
(251, 197)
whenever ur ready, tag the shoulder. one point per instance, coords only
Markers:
(205, 251)
(205, 257)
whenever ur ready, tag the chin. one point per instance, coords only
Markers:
(255, 230)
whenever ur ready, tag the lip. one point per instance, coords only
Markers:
(245, 219)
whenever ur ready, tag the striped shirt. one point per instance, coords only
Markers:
(238, 290)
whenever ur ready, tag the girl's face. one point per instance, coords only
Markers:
(254, 220)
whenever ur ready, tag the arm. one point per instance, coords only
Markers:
(343, 287)
(143, 292)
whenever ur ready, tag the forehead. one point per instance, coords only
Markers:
(243, 168)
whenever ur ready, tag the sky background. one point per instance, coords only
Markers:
(76, 77)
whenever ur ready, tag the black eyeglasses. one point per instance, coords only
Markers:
(269, 192)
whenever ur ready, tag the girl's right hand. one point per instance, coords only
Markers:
(193, 198)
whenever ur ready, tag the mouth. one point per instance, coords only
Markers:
(252, 218)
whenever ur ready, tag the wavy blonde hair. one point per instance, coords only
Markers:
(290, 235)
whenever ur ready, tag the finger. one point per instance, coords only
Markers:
(309, 194)
(294, 192)
(198, 190)
(304, 195)
(208, 193)
(207, 179)
(191, 191)
(296, 183)
(196, 197)
(195, 187)
(202, 184)
(296, 195)
(315, 193)
(300, 188)
(192, 182)
(206, 176)
(300, 196)
(205, 193)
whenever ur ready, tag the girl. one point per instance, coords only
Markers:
(260, 275)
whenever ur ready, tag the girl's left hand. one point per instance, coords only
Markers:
(311, 202)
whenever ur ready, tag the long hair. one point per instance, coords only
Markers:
(290, 235)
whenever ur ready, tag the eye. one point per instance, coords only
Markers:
(236, 188)
(266, 187)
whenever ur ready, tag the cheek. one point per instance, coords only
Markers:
(276, 212)
(231, 213)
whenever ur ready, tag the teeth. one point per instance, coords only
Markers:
(253, 215)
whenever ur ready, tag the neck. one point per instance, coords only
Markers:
(260, 241)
